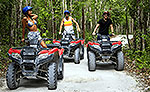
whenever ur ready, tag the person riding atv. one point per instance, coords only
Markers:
(71, 44)
(68, 25)
(29, 21)
(104, 51)
(104, 24)
(32, 61)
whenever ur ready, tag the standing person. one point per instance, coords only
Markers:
(68, 25)
(29, 22)
(104, 24)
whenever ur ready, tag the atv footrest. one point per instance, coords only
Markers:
(53, 45)
(67, 57)
(105, 63)
(28, 73)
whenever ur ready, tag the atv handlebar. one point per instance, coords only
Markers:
(67, 33)
(47, 39)
(27, 40)
(104, 35)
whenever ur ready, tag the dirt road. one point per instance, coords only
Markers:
(77, 78)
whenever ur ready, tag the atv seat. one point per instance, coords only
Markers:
(53, 45)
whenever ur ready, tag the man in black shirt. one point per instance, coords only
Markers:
(104, 24)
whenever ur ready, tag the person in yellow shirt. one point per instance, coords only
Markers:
(68, 24)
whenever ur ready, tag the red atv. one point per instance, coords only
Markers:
(105, 51)
(73, 49)
(34, 62)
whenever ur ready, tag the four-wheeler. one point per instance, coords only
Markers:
(105, 51)
(32, 61)
(73, 49)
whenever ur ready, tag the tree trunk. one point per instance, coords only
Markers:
(11, 36)
(83, 28)
(140, 26)
(127, 29)
(63, 6)
(145, 19)
(17, 21)
(134, 35)
(49, 22)
(148, 21)
(120, 31)
(53, 18)
(85, 18)
(101, 3)
(71, 5)
(30, 3)
(19, 17)
(90, 19)
(95, 12)
(26, 2)
(132, 23)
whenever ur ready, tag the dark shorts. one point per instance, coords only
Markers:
(99, 38)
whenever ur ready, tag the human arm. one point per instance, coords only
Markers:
(23, 27)
(94, 32)
(34, 16)
(61, 26)
(112, 29)
(78, 28)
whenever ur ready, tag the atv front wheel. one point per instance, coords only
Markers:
(120, 61)
(91, 61)
(52, 76)
(82, 52)
(12, 76)
(61, 68)
(77, 56)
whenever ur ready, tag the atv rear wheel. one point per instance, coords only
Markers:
(52, 76)
(120, 61)
(61, 68)
(91, 61)
(77, 56)
(12, 76)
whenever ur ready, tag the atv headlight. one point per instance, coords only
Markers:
(16, 55)
(116, 45)
(43, 56)
(104, 39)
(72, 44)
(96, 46)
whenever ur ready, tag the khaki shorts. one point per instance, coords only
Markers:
(34, 35)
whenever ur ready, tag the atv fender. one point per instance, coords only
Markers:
(53, 56)
(14, 50)
(61, 51)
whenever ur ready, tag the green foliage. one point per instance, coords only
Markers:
(141, 58)
(89, 37)
(4, 61)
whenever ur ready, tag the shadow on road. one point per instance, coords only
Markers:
(104, 67)
(31, 83)
(68, 61)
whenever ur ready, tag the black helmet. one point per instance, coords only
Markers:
(106, 12)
